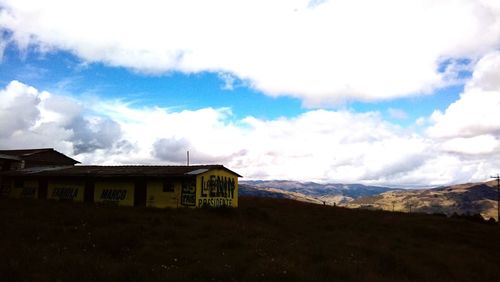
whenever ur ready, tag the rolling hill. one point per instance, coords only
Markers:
(469, 198)
(329, 194)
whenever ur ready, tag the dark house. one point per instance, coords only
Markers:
(48, 174)
(19, 159)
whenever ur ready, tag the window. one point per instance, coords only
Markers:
(168, 186)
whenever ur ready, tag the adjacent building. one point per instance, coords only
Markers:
(48, 174)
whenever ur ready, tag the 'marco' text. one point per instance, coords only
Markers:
(113, 194)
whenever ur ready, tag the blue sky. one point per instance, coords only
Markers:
(329, 91)
(62, 72)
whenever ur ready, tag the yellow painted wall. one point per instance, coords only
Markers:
(66, 190)
(217, 187)
(29, 189)
(157, 198)
(116, 192)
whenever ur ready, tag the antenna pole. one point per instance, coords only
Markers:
(187, 158)
(498, 197)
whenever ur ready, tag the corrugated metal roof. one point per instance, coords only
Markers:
(25, 152)
(9, 157)
(198, 171)
(118, 171)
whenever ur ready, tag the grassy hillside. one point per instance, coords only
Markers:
(311, 192)
(264, 240)
(246, 190)
(469, 198)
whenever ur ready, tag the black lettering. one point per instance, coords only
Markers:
(212, 186)
(203, 192)
(124, 194)
(63, 193)
(224, 187)
(232, 187)
(114, 194)
(219, 186)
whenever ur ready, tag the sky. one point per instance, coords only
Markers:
(380, 92)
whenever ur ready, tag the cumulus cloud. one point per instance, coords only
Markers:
(331, 145)
(318, 145)
(15, 99)
(322, 52)
(97, 133)
(477, 112)
(30, 118)
(469, 128)
(172, 150)
(482, 144)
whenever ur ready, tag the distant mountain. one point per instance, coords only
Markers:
(251, 191)
(470, 198)
(330, 193)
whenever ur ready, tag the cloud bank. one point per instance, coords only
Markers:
(322, 52)
(460, 144)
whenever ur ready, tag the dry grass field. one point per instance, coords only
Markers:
(263, 240)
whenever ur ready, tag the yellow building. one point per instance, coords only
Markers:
(151, 186)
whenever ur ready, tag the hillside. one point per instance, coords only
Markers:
(246, 190)
(262, 240)
(471, 198)
(329, 193)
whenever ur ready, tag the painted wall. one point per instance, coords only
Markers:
(213, 188)
(65, 190)
(163, 194)
(120, 193)
(24, 189)
(216, 188)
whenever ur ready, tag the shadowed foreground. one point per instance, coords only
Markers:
(264, 239)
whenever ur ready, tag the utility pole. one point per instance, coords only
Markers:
(188, 158)
(498, 197)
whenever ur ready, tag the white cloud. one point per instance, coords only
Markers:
(30, 118)
(397, 113)
(228, 80)
(470, 127)
(477, 112)
(319, 145)
(15, 99)
(482, 144)
(319, 51)
(3, 45)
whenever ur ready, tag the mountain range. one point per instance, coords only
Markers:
(469, 198)
(329, 193)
